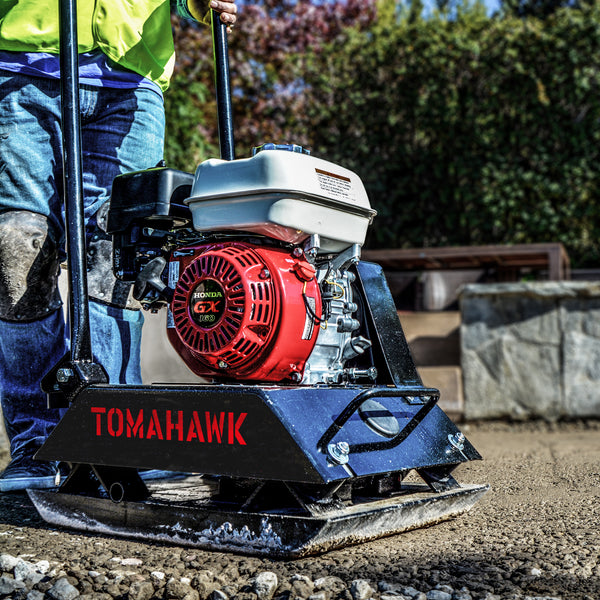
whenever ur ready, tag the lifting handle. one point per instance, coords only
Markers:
(222, 85)
(431, 394)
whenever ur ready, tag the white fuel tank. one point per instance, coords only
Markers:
(285, 195)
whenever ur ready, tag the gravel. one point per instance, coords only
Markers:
(533, 537)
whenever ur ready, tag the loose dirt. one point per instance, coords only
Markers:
(535, 534)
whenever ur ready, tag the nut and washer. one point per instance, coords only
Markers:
(63, 375)
(339, 453)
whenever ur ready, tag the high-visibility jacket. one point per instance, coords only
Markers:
(136, 34)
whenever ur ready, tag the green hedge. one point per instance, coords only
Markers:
(470, 130)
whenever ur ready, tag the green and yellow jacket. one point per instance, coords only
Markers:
(136, 34)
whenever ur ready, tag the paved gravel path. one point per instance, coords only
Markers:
(535, 535)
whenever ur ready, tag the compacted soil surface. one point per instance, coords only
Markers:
(536, 534)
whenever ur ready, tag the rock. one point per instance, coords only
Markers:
(141, 590)
(9, 586)
(113, 590)
(264, 585)
(63, 590)
(7, 563)
(204, 583)
(390, 588)
(438, 595)
(158, 578)
(23, 569)
(301, 586)
(331, 585)
(177, 590)
(361, 589)
(35, 595)
(409, 591)
(132, 562)
(445, 588)
(218, 595)
(42, 566)
(322, 595)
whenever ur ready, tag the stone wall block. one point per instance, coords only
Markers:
(531, 350)
(581, 328)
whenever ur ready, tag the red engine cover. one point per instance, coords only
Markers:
(238, 311)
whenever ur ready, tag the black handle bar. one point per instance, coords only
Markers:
(222, 84)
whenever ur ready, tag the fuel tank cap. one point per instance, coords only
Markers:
(379, 418)
(288, 147)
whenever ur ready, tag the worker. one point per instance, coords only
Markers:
(126, 58)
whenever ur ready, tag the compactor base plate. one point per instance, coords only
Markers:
(184, 512)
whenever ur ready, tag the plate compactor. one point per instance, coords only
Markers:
(309, 414)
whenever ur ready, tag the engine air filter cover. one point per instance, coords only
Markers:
(239, 311)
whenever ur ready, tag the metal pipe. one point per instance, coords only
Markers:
(222, 84)
(81, 348)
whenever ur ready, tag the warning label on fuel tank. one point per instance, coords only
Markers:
(335, 185)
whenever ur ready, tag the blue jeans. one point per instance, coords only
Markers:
(121, 131)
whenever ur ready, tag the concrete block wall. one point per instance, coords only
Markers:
(531, 350)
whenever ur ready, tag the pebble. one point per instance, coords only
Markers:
(63, 590)
(9, 585)
(177, 590)
(438, 595)
(361, 589)
(29, 580)
(7, 562)
(264, 585)
(302, 586)
(132, 562)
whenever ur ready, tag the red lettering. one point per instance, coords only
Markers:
(124, 421)
(205, 306)
(110, 422)
(154, 427)
(215, 428)
(135, 429)
(98, 410)
(195, 429)
(178, 426)
(236, 431)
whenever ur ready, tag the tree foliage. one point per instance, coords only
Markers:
(538, 8)
(267, 54)
(465, 129)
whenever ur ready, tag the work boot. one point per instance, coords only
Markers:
(23, 472)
